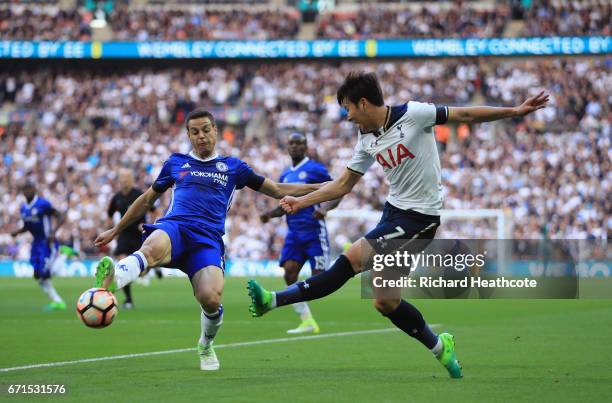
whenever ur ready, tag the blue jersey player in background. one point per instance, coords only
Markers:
(306, 238)
(189, 236)
(37, 215)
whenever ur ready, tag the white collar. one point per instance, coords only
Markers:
(34, 200)
(305, 160)
(212, 157)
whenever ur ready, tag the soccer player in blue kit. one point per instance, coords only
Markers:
(306, 238)
(401, 140)
(189, 236)
(37, 214)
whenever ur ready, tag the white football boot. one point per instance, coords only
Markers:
(208, 358)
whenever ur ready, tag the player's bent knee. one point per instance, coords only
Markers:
(354, 255)
(386, 306)
(208, 287)
(291, 275)
(210, 300)
(157, 248)
(149, 253)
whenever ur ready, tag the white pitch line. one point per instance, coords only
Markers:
(183, 350)
(190, 322)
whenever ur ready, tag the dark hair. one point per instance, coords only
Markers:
(297, 136)
(359, 85)
(199, 113)
(28, 184)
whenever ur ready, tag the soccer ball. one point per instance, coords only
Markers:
(97, 307)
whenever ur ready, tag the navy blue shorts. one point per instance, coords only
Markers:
(405, 225)
(193, 247)
(312, 247)
(41, 258)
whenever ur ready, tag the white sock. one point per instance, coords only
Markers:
(210, 322)
(273, 302)
(59, 263)
(302, 309)
(128, 269)
(437, 349)
(48, 288)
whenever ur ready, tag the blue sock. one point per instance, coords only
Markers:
(408, 318)
(317, 286)
(215, 315)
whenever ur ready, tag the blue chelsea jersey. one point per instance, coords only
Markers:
(36, 217)
(307, 171)
(202, 190)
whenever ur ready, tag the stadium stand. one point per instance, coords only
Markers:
(21, 22)
(70, 129)
(423, 20)
(35, 22)
(182, 24)
(554, 17)
(180, 20)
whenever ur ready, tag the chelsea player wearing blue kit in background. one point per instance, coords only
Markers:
(306, 238)
(37, 214)
(189, 236)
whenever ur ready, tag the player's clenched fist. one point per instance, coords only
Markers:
(290, 204)
(105, 237)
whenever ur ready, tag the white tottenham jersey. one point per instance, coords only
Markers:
(408, 155)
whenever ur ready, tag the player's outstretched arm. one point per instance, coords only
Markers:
(329, 191)
(19, 231)
(326, 208)
(275, 212)
(60, 219)
(477, 114)
(280, 190)
(138, 209)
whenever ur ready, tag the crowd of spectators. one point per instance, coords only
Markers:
(50, 23)
(460, 20)
(72, 130)
(567, 18)
(20, 22)
(170, 25)
(448, 19)
(431, 21)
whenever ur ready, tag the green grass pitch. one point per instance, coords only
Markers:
(511, 350)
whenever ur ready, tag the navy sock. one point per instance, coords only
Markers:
(408, 318)
(317, 286)
(128, 293)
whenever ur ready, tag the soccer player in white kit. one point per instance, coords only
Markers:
(401, 140)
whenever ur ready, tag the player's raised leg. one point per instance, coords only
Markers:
(402, 314)
(315, 287)
(308, 324)
(127, 289)
(208, 290)
(155, 251)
